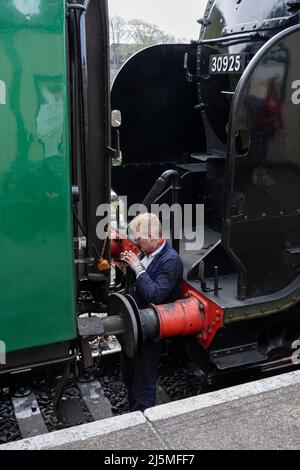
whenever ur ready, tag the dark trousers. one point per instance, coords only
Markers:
(140, 376)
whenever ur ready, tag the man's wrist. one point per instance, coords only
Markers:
(137, 267)
(140, 274)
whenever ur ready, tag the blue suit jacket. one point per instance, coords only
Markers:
(162, 281)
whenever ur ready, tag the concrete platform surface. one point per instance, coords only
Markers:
(259, 415)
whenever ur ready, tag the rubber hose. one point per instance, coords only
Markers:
(159, 187)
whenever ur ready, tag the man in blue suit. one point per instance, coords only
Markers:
(158, 281)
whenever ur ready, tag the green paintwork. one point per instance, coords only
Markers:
(36, 271)
(261, 310)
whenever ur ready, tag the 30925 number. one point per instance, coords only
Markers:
(227, 63)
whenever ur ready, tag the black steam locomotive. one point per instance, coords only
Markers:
(224, 113)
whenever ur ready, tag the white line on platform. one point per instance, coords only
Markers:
(78, 433)
(188, 405)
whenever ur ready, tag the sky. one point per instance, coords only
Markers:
(175, 17)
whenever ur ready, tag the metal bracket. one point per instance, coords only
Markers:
(270, 24)
(76, 6)
(90, 326)
(204, 22)
(190, 77)
(86, 354)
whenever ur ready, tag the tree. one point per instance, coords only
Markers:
(139, 34)
(146, 34)
(118, 29)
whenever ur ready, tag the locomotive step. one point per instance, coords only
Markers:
(193, 167)
(203, 157)
(238, 357)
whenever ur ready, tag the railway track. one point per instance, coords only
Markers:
(100, 395)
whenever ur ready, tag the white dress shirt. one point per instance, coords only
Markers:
(147, 260)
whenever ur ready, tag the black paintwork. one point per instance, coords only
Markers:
(266, 179)
(90, 137)
(249, 140)
(260, 221)
(160, 126)
(96, 109)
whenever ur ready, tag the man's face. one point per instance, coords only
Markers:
(146, 237)
(144, 244)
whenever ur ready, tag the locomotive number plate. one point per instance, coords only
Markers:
(227, 63)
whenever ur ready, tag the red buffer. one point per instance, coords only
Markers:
(195, 314)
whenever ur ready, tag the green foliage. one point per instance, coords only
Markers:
(146, 34)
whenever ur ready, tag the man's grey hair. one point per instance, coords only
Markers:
(145, 225)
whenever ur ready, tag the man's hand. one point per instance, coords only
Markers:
(129, 257)
(132, 261)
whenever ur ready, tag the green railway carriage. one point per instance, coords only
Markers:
(38, 43)
(37, 271)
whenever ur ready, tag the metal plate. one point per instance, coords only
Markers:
(239, 360)
(227, 63)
